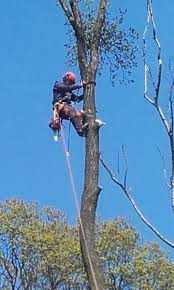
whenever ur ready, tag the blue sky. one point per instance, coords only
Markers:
(32, 57)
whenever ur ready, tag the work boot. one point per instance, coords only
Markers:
(99, 122)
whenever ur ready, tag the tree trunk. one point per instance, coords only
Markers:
(91, 190)
(90, 193)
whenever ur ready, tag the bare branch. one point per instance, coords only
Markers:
(138, 211)
(163, 119)
(76, 14)
(97, 33)
(74, 18)
(153, 100)
(80, 37)
(171, 137)
(150, 12)
(67, 11)
(99, 21)
(168, 124)
(171, 103)
(146, 67)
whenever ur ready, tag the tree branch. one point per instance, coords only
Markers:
(168, 124)
(74, 18)
(97, 30)
(171, 137)
(138, 211)
(153, 100)
(80, 37)
(67, 11)
(99, 22)
(76, 14)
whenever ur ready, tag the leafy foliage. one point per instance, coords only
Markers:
(130, 266)
(118, 48)
(117, 44)
(39, 250)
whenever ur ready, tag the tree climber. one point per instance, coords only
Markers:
(63, 97)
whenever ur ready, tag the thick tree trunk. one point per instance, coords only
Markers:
(90, 194)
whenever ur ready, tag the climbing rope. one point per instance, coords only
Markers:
(74, 193)
(69, 136)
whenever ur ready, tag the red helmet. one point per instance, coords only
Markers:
(69, 76)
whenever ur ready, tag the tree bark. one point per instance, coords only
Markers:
(90, 195)
(91, 190)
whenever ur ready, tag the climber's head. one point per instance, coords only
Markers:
(69, 78)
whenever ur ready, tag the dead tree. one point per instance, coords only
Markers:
(154, 97)
(168, 122)
(94, 37)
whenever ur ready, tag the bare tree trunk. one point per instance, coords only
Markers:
(91, 189)
(91, 192)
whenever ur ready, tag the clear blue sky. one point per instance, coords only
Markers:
(32, 166)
